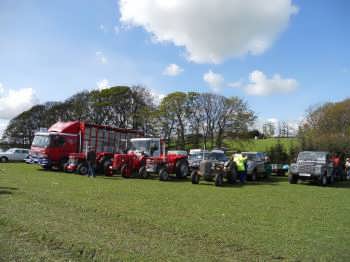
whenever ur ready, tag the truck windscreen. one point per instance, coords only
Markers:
(41, 141)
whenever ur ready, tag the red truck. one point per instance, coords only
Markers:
(70, 141)
(148, 156)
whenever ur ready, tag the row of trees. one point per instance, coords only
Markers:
(181, 118)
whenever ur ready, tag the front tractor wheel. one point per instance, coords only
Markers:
(124, 171)
(163, 175)
(195, 177)
(83, 169)
(219, 179)
(143, 173)
(181, 169)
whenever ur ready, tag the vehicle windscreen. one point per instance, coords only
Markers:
(41, 141)
(10, 151)
(312, 156)
(251, 156)
(198, 156)
(218, 156)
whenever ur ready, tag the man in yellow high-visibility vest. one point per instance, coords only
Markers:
(240, 162)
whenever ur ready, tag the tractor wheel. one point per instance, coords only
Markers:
(106, 166)
(123, 171)
(163, 175)
(181, 169)
(82, 169)
(292, 179)
(143, 173)
(219, 179)
(195, 177)
(4, 159)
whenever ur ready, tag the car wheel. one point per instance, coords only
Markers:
(219, 179)
(4, 159)
(143, 173)
(195, 177)
(163, 175)
(181, 169)
(292, 179)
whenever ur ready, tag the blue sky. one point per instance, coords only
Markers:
(50, 50)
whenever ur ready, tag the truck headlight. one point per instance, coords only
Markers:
(294, 168)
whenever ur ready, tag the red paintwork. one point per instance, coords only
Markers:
(74, 133)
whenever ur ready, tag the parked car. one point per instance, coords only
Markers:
(257, 165)
(14, 154)
(312, 165)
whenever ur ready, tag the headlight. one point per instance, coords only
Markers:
(294, 168)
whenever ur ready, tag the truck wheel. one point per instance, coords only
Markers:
(219, 179)
(323, 180)
(292, 179)
(195, 177)
(4, 159)
(163, 175)
(82, 169)
(181, 169)
(143, 173)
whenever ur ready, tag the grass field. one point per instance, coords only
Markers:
(52, 216)
(260, 144)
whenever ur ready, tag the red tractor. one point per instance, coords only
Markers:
(146, 157)
(77, 163)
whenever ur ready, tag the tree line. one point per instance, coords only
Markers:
(181, 118)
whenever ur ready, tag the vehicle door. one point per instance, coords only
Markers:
(17, 155)
(25, 153)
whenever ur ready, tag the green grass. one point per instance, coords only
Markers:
(260, 144)
(51, 216)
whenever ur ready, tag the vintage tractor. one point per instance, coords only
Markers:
(147, 157)
(213, 170)
(77, 163)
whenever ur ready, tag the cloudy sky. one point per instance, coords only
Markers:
(281, 56)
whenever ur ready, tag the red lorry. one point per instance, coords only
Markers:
(65, 144)
(148, 156)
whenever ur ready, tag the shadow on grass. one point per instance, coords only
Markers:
(7, 190)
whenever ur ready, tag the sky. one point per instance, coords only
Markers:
(281, 56)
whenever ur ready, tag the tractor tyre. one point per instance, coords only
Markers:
(106, 169)
(143, 173)
(163, 175)
(195, 177)
(123, 171)
(182, 169)
(83, 169)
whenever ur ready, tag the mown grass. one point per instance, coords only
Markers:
(52, 216)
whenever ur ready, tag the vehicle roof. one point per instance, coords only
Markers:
(217, 151)
(253, 152)
(145, 139)
(323, 152)
(65, 127)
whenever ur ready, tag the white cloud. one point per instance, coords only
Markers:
(236, 84)
(13, 102)
(261, 85)
(157, 96)
(215, 81)
(103, 84)
(172, 70)
(101, 57)
(211, 31)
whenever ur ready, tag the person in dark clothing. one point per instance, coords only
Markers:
(91, 161)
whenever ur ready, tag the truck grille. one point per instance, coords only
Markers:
(309, 169)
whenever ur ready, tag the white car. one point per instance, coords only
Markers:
(14, 154)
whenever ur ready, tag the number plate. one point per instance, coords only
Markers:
(304, 174)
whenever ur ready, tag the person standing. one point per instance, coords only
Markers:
(240, 161)
(91, 161)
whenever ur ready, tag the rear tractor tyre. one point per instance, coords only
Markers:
(82, 169)
(195, 177)
(182, 169)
